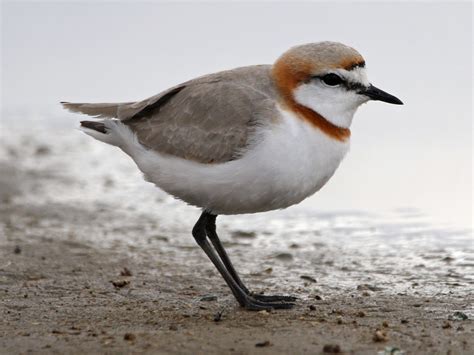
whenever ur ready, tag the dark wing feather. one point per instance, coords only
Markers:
(208, 122)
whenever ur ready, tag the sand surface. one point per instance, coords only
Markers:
(93, 260)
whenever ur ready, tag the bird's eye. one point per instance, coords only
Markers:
(332, 79)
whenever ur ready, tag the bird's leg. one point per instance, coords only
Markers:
(244, 299)
(214, 238)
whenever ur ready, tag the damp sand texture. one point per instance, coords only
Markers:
(94, 260)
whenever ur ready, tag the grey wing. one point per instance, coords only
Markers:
(208, 122)
(122, 110)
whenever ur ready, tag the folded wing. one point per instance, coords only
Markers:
(210, 119)
(205, 122)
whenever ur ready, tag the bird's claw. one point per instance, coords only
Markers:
(253, 303)
(274, 298)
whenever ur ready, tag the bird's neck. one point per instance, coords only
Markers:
(334, 131)
(286, 84)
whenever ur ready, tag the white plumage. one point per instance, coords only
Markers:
(288, 161)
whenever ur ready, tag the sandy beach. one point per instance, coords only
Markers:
(94, 260)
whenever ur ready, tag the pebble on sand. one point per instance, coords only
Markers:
(263, 344)
(379, 336)
(208, 298)
(458, 316)
(284, 256)
(129, 337)
(125, 272)
(120, 283)
(308, 278)
(446, 325)
(331, 349)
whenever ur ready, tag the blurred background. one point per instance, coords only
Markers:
(415, 158)
(93, 259)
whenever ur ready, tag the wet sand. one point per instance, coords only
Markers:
(93, 260)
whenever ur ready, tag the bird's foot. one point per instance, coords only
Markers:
(252, 303)
(273, 298)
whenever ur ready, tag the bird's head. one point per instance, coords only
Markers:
(327, 79)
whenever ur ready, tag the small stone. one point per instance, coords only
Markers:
(458, 316)
(379, 336)
(284, 256)
(360, 314)
(218, 317)
(385, 324)
(17, 249)
(308, 278)
(208, 298)
(404, 321)
(120, 283)
(129, 337)
(125, 272)
(173, 327)
(312, 307)
(318, 297)
(263, 344)
(331, 349)
(446, 325)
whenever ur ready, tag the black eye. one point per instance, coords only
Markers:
(332, 79)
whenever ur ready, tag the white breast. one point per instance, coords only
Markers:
(288, 161)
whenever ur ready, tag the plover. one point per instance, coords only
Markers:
(246, 140)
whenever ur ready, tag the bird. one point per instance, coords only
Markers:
(245, 140)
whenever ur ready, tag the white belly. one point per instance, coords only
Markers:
(289, 161)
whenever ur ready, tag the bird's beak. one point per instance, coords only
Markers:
(379, 95)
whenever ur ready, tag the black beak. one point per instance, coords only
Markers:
(379, 95)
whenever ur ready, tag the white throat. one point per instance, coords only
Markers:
(336, 104)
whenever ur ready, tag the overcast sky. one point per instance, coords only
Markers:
(416, 155)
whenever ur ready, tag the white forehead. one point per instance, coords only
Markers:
(356, 75)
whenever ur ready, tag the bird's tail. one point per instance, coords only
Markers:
(112, 132)
(99, 110)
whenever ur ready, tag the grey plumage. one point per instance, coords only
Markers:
(210, 119)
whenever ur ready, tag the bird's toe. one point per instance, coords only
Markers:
(274, 298)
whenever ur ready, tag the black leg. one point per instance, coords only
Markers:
(244, 299)
(214, 238)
